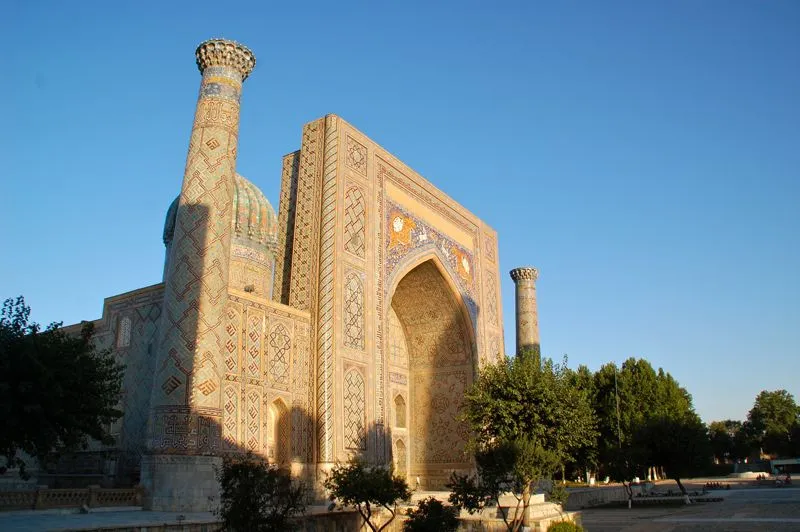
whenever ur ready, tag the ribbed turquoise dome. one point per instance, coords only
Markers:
(253, 219)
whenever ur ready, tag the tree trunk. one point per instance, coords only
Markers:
(563, 474)
(686, 498)
(392, 514)
(526, 502)
(629, 491)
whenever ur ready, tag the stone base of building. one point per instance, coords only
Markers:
(176, 483)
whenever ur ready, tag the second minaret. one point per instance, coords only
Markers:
(527, 315)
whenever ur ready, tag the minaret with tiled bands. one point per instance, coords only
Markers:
(186, 406)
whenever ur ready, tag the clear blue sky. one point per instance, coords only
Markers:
(645, 156)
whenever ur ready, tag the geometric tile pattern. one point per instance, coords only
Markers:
(356, 156)
(305, 226)
(354, 311)
(262, 336)
(325, 293)
(253, 420)
(232, 329)
(170, 384)
(355, 436)
(207, 387)
(280, 354)
(124, 333)
(255, 331)
(491, 298)
(354, 221)
(230, 416)
(439, 437)
(303, 399)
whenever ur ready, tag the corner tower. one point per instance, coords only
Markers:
(186, 408)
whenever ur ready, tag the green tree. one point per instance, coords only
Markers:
(680, 444)
(585, 457)
(368, 490)
(528, 403)
(258, 496)
(626, 399)
(56, 389)
(731, 440)
(721, 436)
(773, 417)
(431, 515)
(504, 466)
(746, 441)
(625, 463)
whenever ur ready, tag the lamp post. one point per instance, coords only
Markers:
(616, 396)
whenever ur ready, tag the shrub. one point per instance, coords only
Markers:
(257, 496)
(369, 489)
(432, 516)
(564, 526)
(558, 494)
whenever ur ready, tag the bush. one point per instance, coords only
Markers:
(558, 494)
(369, 489)
(564, 526)
(257, 496)
(432, 516)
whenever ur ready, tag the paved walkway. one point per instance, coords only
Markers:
(743, 510)
(48, 520)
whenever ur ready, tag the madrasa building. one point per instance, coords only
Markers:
(349, 324)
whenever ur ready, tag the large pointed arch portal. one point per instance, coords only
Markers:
(437, 355)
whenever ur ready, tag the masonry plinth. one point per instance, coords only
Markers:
(527, 315)
(186, 405)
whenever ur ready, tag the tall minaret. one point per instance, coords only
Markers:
(527, 315)
(186, 408)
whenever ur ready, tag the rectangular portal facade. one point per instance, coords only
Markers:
(402, 287)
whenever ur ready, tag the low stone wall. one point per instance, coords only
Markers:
(597, 496)
(43, 498)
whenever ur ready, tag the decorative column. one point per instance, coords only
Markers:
(186, 411)
(527, 315)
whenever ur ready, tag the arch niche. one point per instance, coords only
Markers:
(439, 345)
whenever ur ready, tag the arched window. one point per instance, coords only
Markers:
(400, 458)
(281, 431)
(399, 412)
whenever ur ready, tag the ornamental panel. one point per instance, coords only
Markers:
(354, 311)
(280, 348)
(355, 212)
(355, 433)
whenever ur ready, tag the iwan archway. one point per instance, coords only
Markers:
(432, 356)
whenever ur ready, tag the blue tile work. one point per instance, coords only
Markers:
(221, 82)
(407, 237)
